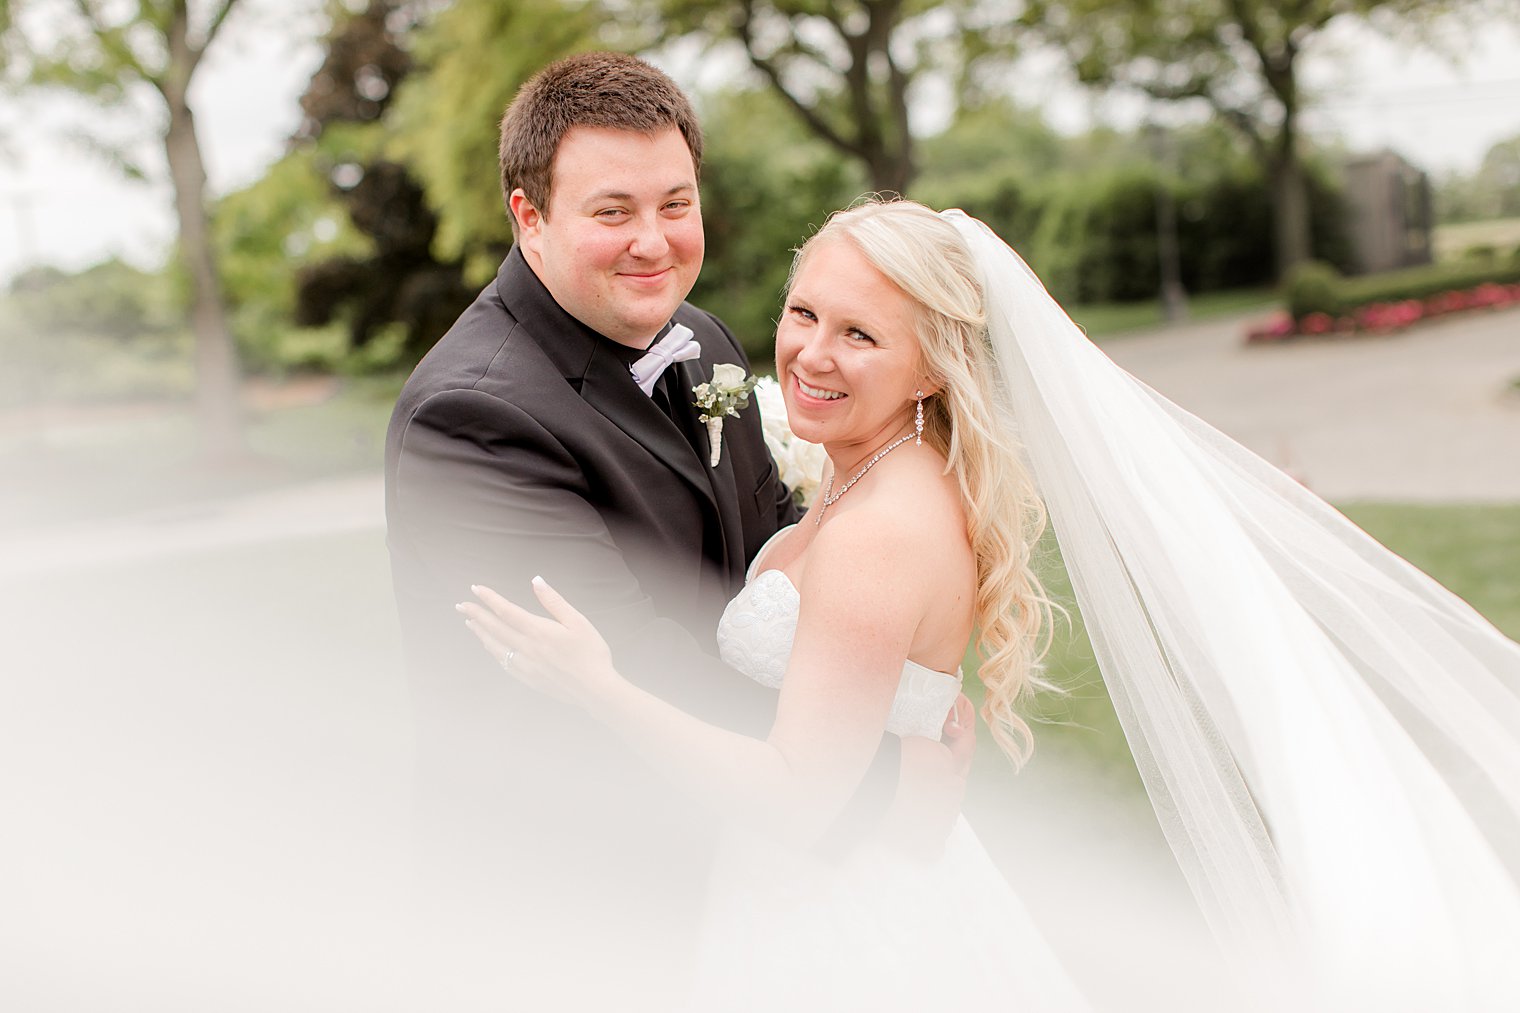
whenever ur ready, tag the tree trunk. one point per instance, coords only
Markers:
(1290, 196)
(1290, 214)
(218, 399)
(891, 171)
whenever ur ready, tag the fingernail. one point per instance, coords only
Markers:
(475, 588)
(460, 607)
(539, 580)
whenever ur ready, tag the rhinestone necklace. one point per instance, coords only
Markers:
(830, 497)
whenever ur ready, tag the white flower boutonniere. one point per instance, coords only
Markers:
(725, 394)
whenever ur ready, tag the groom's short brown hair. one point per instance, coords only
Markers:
(587, 90)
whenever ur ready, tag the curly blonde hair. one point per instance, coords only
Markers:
(968, 421)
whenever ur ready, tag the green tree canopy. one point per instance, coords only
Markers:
(471, 58)
(849, 69)
(1493, 191)
(1240, 57)
(766, 186)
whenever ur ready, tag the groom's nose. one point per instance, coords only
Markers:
(649, 241)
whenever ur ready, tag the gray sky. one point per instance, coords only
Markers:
(62, 205)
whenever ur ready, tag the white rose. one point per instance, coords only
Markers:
(726, 374)
(802, 468)
(800, 462)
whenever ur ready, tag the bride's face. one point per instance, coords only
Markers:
(847, 354)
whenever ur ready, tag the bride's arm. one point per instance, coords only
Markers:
(863, 597)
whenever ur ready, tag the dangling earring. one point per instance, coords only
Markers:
(918, 419)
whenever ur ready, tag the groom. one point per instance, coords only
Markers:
(523, 445)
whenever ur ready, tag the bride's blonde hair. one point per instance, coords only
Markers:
(966, 419)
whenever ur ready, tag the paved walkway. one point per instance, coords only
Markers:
(1428, 415)
(330, 506)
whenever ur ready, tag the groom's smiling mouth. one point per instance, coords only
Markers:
(818, 393)
(647, 277)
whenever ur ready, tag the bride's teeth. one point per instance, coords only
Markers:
(824, 395)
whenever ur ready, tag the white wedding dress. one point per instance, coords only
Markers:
(787, 930)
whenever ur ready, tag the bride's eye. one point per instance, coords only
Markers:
(860, 335)
(801, 311)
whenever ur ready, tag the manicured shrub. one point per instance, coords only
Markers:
(1444, 288)
(1313, 287)
(1321, 302)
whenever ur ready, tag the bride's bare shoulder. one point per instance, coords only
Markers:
(911, 522)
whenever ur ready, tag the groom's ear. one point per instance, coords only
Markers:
(527, 218)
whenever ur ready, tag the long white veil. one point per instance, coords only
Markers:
(1330, 739)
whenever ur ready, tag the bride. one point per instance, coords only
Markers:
(1332, 741)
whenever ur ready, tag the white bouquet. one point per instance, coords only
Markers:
(801, 462)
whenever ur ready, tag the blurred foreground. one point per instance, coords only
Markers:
(206, 737)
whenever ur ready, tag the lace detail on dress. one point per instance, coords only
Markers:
(756, 633)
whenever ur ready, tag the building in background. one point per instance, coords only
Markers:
(1389, 213)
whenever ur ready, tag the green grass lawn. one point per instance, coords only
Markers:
(1104, 320)
(1452, 241)
(1472, 550)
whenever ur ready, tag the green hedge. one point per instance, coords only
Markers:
(1092, 236)
(1319, 288)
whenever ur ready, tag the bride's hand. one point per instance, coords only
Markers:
(562, 656)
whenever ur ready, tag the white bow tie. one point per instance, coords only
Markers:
(677, 345)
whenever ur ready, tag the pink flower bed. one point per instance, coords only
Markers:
(1384, 317)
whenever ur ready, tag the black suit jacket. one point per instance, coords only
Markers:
(522, 446)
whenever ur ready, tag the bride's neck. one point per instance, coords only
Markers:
(849, 458)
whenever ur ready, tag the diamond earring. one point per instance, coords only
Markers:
(918, 419)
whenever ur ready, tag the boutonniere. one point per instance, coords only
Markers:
(725, 394)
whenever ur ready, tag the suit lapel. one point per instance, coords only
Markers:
(589, 365)
(608, 388)
(721, 478)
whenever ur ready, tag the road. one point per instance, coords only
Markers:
(1429, 415)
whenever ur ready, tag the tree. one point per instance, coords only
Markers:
(443, 124)
(1491, 192)
(110, 54)
(1241, 57)
(848, 68)
(767, 184)
(266, 234)
(397, 288)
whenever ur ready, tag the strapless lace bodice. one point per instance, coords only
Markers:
(755, 636)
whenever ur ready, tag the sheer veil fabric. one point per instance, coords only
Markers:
(1330, 739)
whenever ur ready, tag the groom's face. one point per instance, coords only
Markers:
(621, 244)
